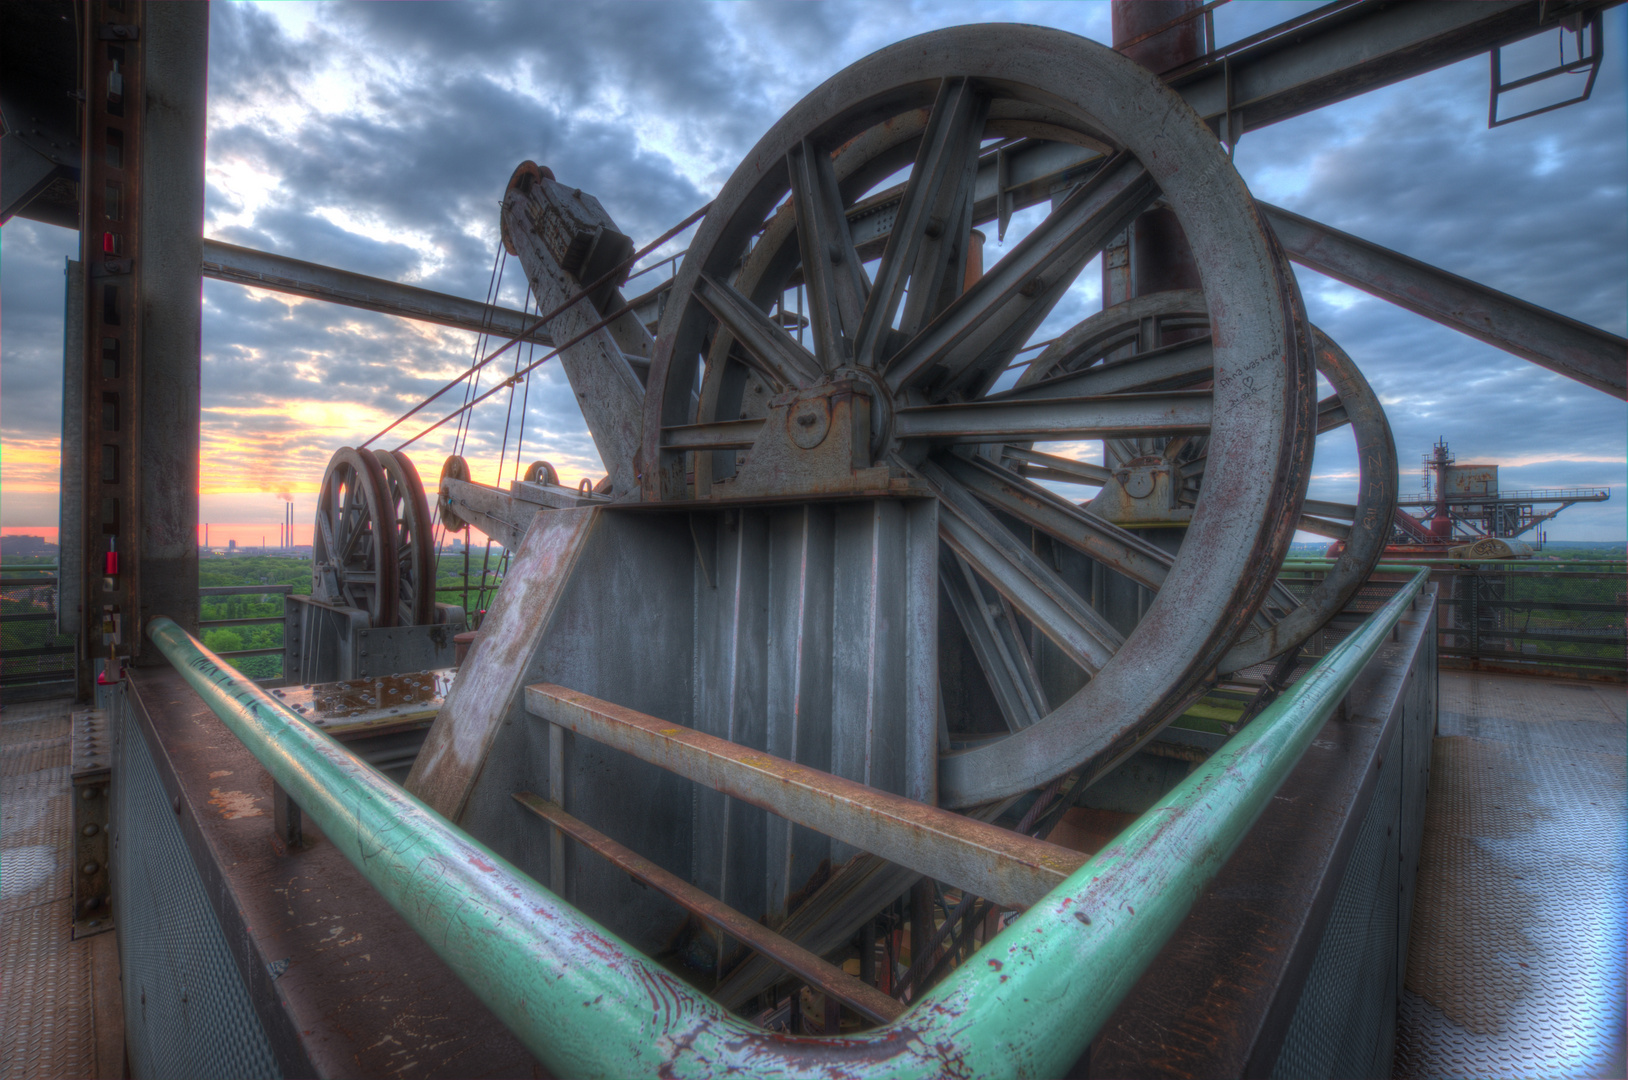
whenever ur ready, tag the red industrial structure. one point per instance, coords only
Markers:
(1469, 516)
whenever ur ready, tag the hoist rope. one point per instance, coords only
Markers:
(494, 282)
(606, 278)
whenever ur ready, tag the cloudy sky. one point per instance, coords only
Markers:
(378, 138)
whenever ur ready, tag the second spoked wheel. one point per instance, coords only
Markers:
(371, 546)
(929, 353)
(1162, 342)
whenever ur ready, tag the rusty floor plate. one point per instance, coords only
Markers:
(1517, 959)
(58, 1005)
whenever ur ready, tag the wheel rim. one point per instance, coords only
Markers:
(415, 555)
(1365, 527)
(937, 378)
(353, 549)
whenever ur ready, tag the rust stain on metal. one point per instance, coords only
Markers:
(234, 804)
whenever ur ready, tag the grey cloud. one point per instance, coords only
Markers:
(32, 287)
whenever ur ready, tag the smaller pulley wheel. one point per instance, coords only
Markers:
(353, 547)
(541, 472)
(455, 468)
(415, 551)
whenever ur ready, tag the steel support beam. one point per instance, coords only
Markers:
(827, 977)
(1007, 867)
(1574, 349)
(1348, 48)
(264, 270)
(176, 55)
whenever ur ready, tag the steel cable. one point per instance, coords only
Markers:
(604, 279)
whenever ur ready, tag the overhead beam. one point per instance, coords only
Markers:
(1344, 49)
(264, 270)
(1574, 349)
(1296, 67)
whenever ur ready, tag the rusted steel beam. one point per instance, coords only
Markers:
(1577, 350)
(827, 977)
(488, 685)
(1009, 868)
(266, 270)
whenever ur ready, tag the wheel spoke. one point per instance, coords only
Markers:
(1180, 412)
(1340, 511)
(1034, 588)
(940, 268)
(773, 352)
(1173, 367)
(831, 267)
(353, 519)
(1335, 530)
(1042, 466)
(1116, 548)
(1108, 331)
(952, 136)
(1000, 650)
(325, 526)
(1331, 414)
(978, 334)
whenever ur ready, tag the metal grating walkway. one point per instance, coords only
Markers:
(59, 998)
(1516, 964)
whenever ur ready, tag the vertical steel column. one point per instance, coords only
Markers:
(109, 246)
(1152, 254)
(141, 229)
(175, 55)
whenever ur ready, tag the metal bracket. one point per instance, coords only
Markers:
(92, 769)
(1593, 31)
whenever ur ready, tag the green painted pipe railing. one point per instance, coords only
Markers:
(589, 1005)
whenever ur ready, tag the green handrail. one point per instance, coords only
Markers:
(588, 1004)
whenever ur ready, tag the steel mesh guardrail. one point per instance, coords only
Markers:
(31, 650)
(1561, 618)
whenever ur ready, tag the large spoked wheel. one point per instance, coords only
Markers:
(415, 552)
(926, 353)
(1093, 356)
(353, 549)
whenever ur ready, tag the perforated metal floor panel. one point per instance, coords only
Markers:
(49, 1005)
(1517, 961)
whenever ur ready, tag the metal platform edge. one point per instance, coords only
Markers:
(332, 1004)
